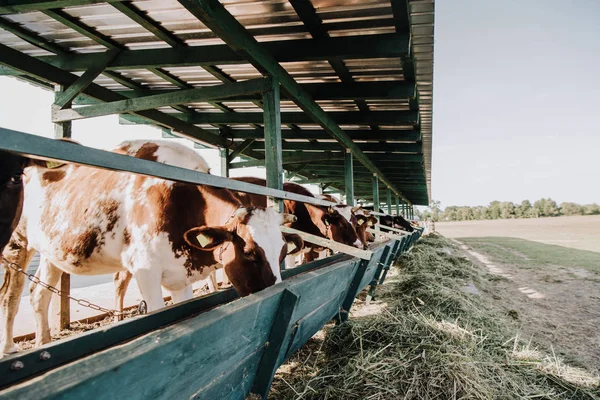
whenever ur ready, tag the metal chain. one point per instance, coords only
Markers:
(81, 302)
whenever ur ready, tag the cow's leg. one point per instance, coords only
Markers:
(212, 279)
(149, 282)
(226, 281)
(40, 299)
(121, 280)
(11, 291)
(290, 261)
(178, 296)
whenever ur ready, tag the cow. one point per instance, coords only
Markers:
(11, 193)
(89, 221)
(394, 221)
(356, 216)
(326, 222)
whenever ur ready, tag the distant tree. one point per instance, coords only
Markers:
(524, 210)
(495, 211)
(591, 209)
(436, 210)
(507, 210)
(571, 209)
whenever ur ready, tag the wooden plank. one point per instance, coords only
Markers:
(275, 352)
(224, 158)
(357, 47)
(185, 96)
(330, 244)
(380, 266)
(292, 159)
(389, 201)
(39, 147)
(239, 149)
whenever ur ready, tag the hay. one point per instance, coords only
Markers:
(431, 341)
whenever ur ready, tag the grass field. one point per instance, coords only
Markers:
(579, 232)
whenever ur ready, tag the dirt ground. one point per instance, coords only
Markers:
(557, 305)
(578, 232)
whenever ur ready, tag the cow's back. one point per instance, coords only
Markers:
(92, 221)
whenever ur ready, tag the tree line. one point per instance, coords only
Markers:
(506, 210)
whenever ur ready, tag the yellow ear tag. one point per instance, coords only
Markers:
(291, 246)
(54, 164)
(370, 223)
(360, 222)
(203, 239)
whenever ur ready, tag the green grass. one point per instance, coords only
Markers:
(526, 253)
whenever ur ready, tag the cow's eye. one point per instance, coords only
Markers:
(16, 179)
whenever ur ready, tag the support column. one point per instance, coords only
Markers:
(60, 312)
(273, 162)
(224, 154)
(397, 205)
(375, 193)
(349, 171)
(389, 202)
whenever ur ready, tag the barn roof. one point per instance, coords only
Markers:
(355, 74)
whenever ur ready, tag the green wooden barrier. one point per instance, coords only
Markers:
(221, 353)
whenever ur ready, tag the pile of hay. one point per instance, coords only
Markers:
(432, 340)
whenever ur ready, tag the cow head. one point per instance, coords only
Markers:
(340, 227)
(401, 223)
(364, 222)
(11, 194)
(250, 246)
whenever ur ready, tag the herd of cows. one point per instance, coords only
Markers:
(90, 221)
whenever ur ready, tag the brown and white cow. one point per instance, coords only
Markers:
(11, 193)
(89, 221)
(321, 221)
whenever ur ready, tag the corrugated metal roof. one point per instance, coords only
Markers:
(76, 32)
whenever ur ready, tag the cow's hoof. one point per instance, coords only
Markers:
(7, 350)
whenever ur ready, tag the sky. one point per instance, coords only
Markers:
(516, 99)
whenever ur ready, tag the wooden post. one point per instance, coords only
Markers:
(349, 172)
(275, 351)
(389, 201)
(273, 161)
(375, 193)
(397, 205)
(224, 154)
(60, 313)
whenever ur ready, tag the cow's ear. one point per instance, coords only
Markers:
(207, 237)
(361, 219)
(294, 242)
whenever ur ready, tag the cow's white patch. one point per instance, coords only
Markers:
(264, 228)
(345, 211)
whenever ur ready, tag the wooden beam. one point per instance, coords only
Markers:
(225, 90)
(239, 149)
(319, 134)
(330, 244)
(389, 201)
(83, 82)
(345, 47)
(375, 185)
(384, 147)
(324, 91)
(40, 147)
(337, 117)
